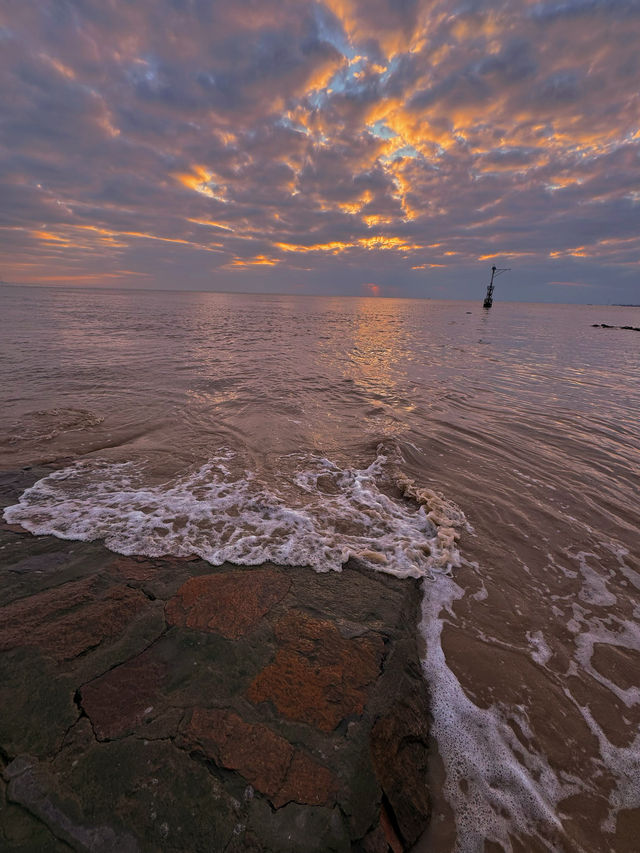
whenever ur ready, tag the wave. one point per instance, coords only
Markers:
(320, 516)
(46, 424)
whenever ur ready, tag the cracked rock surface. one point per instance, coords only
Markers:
(169, 705)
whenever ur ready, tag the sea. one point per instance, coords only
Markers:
(494, 455)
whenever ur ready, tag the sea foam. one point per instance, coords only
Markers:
(320, 517)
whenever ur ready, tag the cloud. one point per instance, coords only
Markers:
(568, 284)
(248, 146)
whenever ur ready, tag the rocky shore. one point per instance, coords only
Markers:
(168, 705)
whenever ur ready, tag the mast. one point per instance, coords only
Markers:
(495, 271)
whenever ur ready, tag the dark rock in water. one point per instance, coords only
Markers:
(13, 528)
(13, 483)
(168, 705)
(229, 604)
(606, 326)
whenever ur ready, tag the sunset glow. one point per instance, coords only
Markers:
(306, 147)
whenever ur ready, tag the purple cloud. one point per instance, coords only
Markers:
(314, 146)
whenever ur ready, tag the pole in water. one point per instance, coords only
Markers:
(495, 271)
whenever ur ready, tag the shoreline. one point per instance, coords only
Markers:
(167, 704)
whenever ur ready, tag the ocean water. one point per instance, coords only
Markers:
(494, 455)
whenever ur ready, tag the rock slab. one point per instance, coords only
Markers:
(318, 677)
(229, 604)
(161, 705)
(270, 763)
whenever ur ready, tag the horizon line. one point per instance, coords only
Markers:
(106, 288)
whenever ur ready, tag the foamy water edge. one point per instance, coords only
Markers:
(324, 516)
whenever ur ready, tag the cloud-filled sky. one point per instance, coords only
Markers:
(378, 147)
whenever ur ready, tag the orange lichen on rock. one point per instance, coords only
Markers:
(228, 603)
(266, 760)
(69, 619)
(317, 676)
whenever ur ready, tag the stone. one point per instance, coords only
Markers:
(271, 764)
(133, 568)
(32, 786)
(21, 832)
(70, 619)
(149, 758)
(318, 677)
(399, 752)
(36, 702)
(298, 829)
(306, 782)
(393, 842)
(375, 841)
(48, 562)
(373, 600)
(151, 789)
(121, 699)
(227, 603)
(14, 482)
(255, 751)
(13, 528)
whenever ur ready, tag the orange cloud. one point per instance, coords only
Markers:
(199, 180)
(256, 261)
(210, 224)
(335, 247)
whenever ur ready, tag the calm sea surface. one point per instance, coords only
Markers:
(494, 454)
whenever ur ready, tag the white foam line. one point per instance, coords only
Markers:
(490, 776)
(320, 518)
(222, 517)
(624, 761)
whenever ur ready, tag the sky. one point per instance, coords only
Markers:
(357, 147)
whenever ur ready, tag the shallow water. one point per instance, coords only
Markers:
(495, 454)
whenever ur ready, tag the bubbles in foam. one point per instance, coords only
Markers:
(540, 651)
(625, 762)
(320, 517)
(496, 786)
